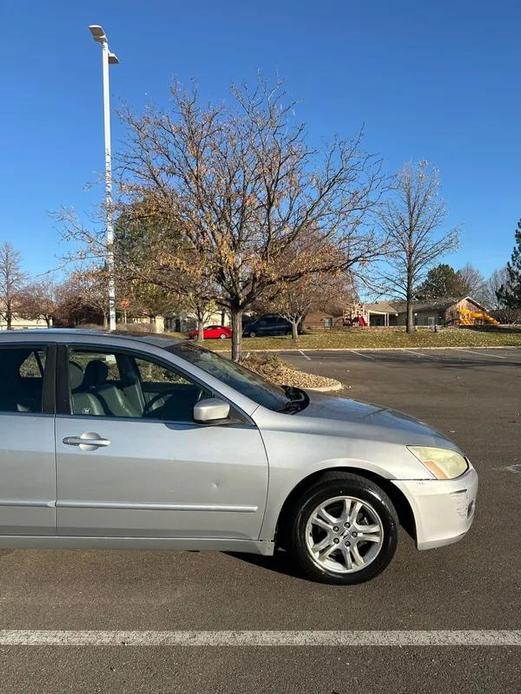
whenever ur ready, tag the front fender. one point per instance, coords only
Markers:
(276, 501)
(292, 458)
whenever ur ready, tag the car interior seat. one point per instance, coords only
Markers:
(82, 402)
(112, 398)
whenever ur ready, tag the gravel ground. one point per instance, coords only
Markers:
(278, 371)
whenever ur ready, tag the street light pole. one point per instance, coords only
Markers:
(107, 58)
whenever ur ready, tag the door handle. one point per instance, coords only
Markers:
(88, 441)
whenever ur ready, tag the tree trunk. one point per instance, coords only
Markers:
(294, 330)
(410, 316)
(105, 320)
(9, 318)
(200, 330)
(236, 334)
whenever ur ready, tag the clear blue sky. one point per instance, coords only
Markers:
(436, 80)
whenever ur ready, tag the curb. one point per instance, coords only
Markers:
(327, 389)
(370, 349)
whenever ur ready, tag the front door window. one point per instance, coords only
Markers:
(112, 384)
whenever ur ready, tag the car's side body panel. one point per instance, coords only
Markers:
(364, 438)
(160, 479)
(295, 456)
(27, 474)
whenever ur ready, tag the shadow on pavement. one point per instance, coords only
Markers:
(280, 562)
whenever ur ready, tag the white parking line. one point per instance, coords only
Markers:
(305, 355)
(419, 354)
(361, 354)
(260, 638)
(482, 354)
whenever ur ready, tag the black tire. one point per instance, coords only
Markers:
(330, 485)
(252, 334)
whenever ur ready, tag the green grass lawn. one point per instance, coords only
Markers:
(360, 338)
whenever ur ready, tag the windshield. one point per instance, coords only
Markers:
(241, 379)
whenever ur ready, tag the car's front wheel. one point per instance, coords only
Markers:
(344, 530)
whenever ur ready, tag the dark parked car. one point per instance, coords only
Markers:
(270, 324)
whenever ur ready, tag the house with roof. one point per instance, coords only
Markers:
(441, 312)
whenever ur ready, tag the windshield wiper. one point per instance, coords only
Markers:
(298, 399)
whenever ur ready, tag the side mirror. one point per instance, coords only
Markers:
(211, 410)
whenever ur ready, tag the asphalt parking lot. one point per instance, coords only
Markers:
(472, 395)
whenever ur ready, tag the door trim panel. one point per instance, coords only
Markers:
(156, 507)
(28, 503)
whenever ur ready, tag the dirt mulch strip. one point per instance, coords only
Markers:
(276, 370)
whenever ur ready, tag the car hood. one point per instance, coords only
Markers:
(370, 421)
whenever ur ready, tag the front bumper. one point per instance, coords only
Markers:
(443, 509)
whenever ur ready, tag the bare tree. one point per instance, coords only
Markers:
(492, 286)
(294, 300)
(83, 295)
(153, 259)
(203, 308)
(138, 299)
(38, 300)
(93, 284)
(473, 282)
(411, 220)
(11, 281)
(243, 186)
(493, 300)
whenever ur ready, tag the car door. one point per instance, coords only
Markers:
(281, 326)
(132, 462)
(27, 463)
(271, 324)
(261, 327)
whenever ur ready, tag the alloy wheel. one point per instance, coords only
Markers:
(344, 534)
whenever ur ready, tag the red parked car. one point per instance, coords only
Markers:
(213, 332)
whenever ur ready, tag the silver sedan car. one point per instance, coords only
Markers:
(111, 441)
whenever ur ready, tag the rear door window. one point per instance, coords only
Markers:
(33, 366)
(21, 375)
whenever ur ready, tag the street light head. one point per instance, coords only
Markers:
(113, 59)
(97, 33)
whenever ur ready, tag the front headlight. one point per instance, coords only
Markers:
(444, 463)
